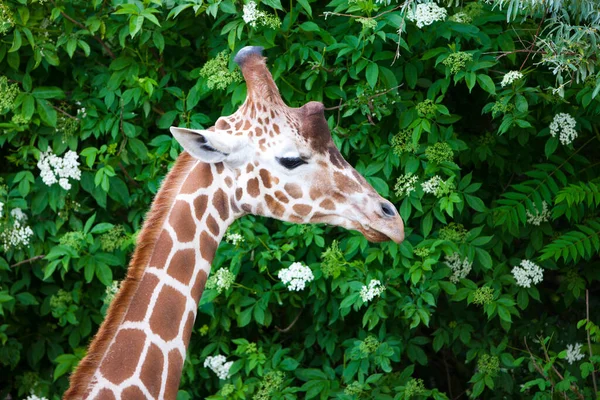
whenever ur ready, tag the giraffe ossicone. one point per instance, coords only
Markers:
(265, 159)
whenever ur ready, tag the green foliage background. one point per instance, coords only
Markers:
(135, 67)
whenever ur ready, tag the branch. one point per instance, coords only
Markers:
(62, 111)
(79, 24)
(292, 324)
(562, 378)
(128, 176)
(29, 260)
(534, 39)
(587, 317)
(368, 99)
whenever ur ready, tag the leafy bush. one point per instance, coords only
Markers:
(479, 121)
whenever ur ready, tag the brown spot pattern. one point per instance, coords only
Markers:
(182, 221)
(276, 208)
(253, 187)
(187, 329)
(151, 374)
(105, 394)
(336, 157)
(141, 298)
(173, 375)
(212, 224)
(293, 190)
(200, 203)
(199, 177)
(315, 193)
(238, 193)
(327, 204)
(182, 265)
(161, 250)
(302, 209)
(198, 287)
(221, 203)
(265, 176)
(220, 167)
(133, 393)
(208, 246)
(281, 196)
(346, 184)
(222, 124)
(167, 312)
(123, 355)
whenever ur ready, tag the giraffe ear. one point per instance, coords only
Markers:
(211, 146)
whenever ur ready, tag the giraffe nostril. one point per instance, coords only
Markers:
(388, 210)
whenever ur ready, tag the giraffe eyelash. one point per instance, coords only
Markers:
(290, 162)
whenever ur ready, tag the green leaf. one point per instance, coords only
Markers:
(46, 112)
(372, 74)
(48, 92)
(486, 83)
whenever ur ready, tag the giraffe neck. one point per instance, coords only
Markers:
(145, 335)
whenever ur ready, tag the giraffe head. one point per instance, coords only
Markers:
(284, 163)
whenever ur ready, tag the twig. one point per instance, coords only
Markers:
(447, 375)
(368, 99)
(535, 364)
(360, 16)
(79, 24)
(587, 317)
(562, 378)
(292, 324)
(62, 111)
(29, 260)
(133, 181)
(534, 39)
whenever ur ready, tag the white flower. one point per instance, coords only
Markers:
(296, 276)
(219, 365)
(111, 291)
(33, 396)
(55, 169)
(405, 184)
(220, 280)
(432, 185)
(18, 215)
(527, 273)
(574, 353)
(564, 125)
(539, 217)
(251, 13)
(460, 268)
(1, 208)
(427, 14)
(374, 289)
(234, 238)
(510, 77)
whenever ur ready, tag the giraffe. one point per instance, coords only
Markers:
(265, 159)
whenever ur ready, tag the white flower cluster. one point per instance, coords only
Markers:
(19, 234)
(296, 276)
(33, 396)
(253, 17)
(510, 77)
(539, 217)
(406, 184)
(527, 273)
(219, 365)
(574, 353)
(111, 291)
(221, 280)
(564, 125)
(374, 289)
(432, 185)
(1, 208)
(234, 238)
(80, 111)
(460, 268)
(427, 14)
(55, 169)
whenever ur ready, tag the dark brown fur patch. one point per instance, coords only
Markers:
(222, 124)
(315, 193)
(314, 127)
(266, 178)
(105, 394)
(198, 287)
(336, 157)
(182, 265)
(169, 307)
(253, 187)
(249, 168)
(161, 250)
(133, 393)
(293, 190)
(141, 298)
(345, 184)
(327, 204)
(123, 356)
(302, 209)
(187, 329)
(200, 204)
(173, 375)
(212, 224)
(200, 177)
(151, 374)
(182, 221)
(221, 203)
(208, 246)
(276, 208)
(281, 197)
(220, 167)
(238, 193)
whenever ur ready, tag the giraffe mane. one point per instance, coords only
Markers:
(80, 380)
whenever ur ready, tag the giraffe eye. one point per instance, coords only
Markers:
(290, 162)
